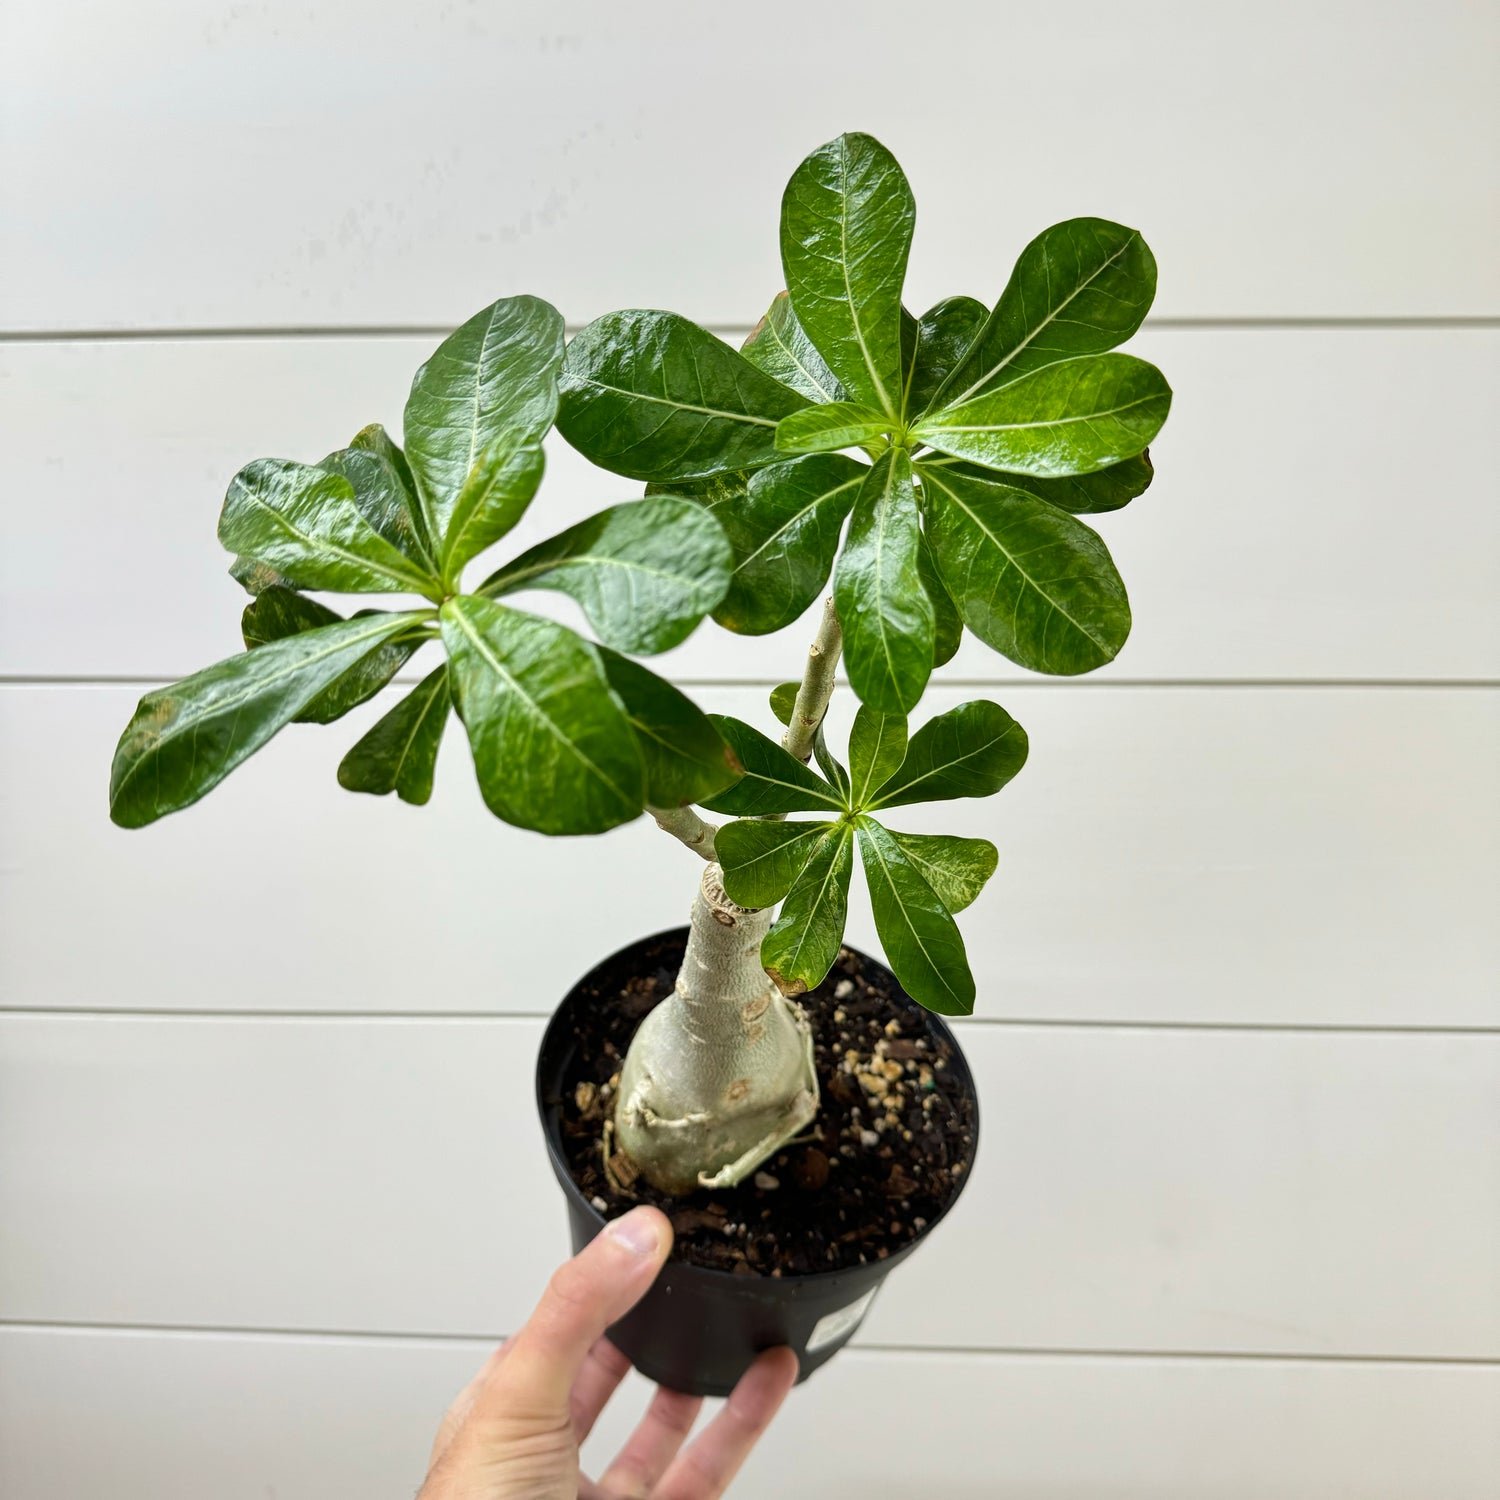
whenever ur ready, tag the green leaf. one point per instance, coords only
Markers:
(785, 531)
(493, 498)
(955, 868)
(877, 746)
(825, 429)
(185, 739)
(255, 577)
(1029, 580)
(761, 860)
(279, 612)
(304, 523)
(645, 572)
(685, 757)
(887, 618)
(652, 396)
(375, 439)
(948, 627)
(846, 225)
(939, 341)
(800, 948)
(1068, 418)
(921, 940)
(381, 493)
(784, 700)
(494, 377)
(773, 780)
(553, 749)
(830, 766)
(969, 751)
(1080, 287)
(1088, 494)
(399, 752)
(778, 345)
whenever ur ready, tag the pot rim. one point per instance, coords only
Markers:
(564, 1174)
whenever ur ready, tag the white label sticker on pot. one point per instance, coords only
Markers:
(830, 1328)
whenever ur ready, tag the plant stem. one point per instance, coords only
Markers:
(817, 686)
(685, 824)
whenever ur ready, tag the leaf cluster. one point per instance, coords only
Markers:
(916, 881)
(978, 435)
(568, 735)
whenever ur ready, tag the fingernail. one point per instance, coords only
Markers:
(636, 1231)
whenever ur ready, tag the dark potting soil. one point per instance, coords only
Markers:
(894, 1133)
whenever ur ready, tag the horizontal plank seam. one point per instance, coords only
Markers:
(206, 1330)
(1052, 1023)
(1461, 684)
(1393, 323)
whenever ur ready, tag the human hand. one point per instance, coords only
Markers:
(513, 1433)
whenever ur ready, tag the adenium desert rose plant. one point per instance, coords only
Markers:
(960, 447)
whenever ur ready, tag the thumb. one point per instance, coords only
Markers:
(586, 1294)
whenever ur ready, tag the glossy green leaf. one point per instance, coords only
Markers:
(1068, 418)
(846, 226)
(1080, 287)
(1079, 494)
(494, 377)
(829, 764)
(186, 738)
(652, 396)
(645, 572)
(381, 492)
(825, 429)
(955, 868)
(305, 524)
(969, 751)
(494, 497)
(727, 488)
(1029, 580)
(877, 746)
(785, 531)
(920, 938)
(375, 439)
(773, 781)
(784, 700)
(399, 752)
(947, 626)
(255, 577)
(887, 618)
(685, 757)
(761, 860)
(553, 749)
(938, 342)
(800, 948)
(779, 346)
(279, 612)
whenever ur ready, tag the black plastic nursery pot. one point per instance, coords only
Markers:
(699, 1327)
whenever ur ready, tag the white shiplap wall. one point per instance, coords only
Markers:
(269, 1177)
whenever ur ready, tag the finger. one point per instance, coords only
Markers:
(463, 1402)
(586, 1294)
(652, 1446)
(597, 1381)
(704, 1469)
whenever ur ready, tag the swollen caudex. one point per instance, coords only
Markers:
(720, 1074)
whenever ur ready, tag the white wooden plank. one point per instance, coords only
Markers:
(359, 163)
(175, 1417)
(1322, 511)
(1135, 1190)
(1270, 856)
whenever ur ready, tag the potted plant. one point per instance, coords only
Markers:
(798, 1107)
